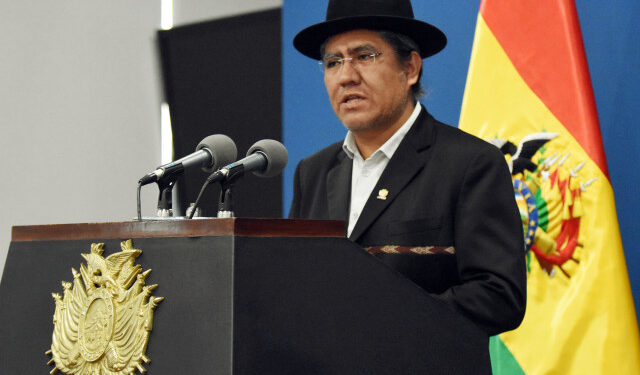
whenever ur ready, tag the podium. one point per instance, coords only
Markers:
(244, 296)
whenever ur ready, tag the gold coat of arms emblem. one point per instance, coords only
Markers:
(103, 320)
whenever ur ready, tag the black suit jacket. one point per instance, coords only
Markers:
(446, 188)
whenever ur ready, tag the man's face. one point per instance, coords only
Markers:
(367, 97)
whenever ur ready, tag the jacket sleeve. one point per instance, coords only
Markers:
(489, 247)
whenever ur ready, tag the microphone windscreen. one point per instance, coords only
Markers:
(223, 151)
(276, 155)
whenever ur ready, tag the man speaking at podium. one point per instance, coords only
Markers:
(429, 200)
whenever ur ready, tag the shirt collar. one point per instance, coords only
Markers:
(389, 147)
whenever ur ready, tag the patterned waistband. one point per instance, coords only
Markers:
(424, 250)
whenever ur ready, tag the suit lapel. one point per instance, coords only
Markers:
(339, 187)
(404, 165)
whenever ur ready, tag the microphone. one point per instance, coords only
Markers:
(266, 158)
(212, 152)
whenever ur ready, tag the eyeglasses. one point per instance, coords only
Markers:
(333, 65)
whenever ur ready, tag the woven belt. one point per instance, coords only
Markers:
(424, 250)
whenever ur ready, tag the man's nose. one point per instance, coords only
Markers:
(348, 73)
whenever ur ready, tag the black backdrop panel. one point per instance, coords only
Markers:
(224, 77)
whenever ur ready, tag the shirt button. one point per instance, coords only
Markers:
(365, 172)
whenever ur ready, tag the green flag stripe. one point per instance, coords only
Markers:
(502, 361)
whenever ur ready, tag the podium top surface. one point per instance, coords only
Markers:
(181, 228)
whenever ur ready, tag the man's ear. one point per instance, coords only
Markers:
(413, 67)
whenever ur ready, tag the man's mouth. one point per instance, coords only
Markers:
(352, 99)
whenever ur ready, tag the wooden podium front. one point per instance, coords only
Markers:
(244, 296)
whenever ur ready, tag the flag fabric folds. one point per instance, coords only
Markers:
(529, 93)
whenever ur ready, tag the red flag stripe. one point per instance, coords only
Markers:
(543, 41)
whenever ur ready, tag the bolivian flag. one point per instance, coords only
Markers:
(528, 92)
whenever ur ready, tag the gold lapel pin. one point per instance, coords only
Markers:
(382, 194)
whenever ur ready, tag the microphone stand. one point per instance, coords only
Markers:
(165, 200)
(225, 202)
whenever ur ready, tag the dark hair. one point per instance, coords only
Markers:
(403, 46)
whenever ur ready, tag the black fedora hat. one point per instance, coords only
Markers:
(388, 15)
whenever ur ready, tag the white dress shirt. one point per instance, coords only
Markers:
(366, 173)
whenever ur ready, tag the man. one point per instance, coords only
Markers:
(431, 201)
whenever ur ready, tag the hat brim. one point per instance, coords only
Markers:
(428, 37)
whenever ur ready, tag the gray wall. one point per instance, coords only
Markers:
(190, 11)
(79, 106)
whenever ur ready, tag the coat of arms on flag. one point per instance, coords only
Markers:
(549, 192)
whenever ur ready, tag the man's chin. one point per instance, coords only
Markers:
(355, 123)
(356, 127)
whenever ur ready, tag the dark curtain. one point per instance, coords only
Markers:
(224, 77)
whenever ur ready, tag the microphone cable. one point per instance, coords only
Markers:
(195, 205)
(220, 175)
(138, 201)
